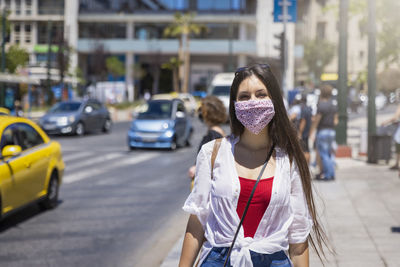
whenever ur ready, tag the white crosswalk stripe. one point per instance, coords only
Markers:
(76, 156)
(75, 176)
(92, 160)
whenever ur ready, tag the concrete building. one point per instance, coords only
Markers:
(319, 19)
(238, 32)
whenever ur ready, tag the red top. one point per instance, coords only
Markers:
(258, 204)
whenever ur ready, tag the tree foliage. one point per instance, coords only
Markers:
(16, 57)
(388, 80)
(115, 66)
(318, 54)
(183, 27)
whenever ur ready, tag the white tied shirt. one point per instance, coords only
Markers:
(214, 202)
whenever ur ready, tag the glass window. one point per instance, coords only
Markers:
(28, 137)
(102, 30)
(27, 28)
(65, 107)
(9, 137)
(51, 7)
(157, 109)
(180, 107)
(17, 27)
(219, 5)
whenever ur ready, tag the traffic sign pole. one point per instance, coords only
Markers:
(285, 14)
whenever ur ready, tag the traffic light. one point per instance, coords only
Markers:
(281, 46)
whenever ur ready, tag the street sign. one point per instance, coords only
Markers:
(291, 10)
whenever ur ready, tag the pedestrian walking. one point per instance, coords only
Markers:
(262, 156)
(301, 114)
(324, 123)
(213, 114)
(396, 137)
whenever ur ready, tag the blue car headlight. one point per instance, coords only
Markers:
(169, 133)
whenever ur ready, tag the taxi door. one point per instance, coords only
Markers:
(36, 156)
(13, 172)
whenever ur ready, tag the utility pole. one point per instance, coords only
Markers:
(371, 80)
(285, 4)
(3, 57)
(341, 130)
(48, 81)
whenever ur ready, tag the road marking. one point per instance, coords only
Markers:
(74, 177)
(77, 155)
(92, 161)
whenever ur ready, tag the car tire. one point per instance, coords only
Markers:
(1, 209)
(51, 199)
(80, 129)
(174, 145)
(107, 126)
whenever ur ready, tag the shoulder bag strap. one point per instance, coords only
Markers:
(248, 203)
(217, 144)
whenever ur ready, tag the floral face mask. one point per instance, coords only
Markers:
(255, 114)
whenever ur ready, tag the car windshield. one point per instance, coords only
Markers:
(65, 107)
(156, 110)
(221, 90)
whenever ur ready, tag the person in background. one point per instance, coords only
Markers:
(276, 229)
(213, 114)
(324, 123)
(300, 115)
(395, 119)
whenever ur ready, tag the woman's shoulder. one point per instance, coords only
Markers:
(209, 146)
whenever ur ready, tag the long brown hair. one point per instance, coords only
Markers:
(283, 134)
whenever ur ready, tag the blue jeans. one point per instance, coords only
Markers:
(217, 256)
(325, 140)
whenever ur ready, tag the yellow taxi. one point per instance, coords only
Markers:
(4, 111)
(31, 166)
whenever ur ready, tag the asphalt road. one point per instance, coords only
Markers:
(115, 205)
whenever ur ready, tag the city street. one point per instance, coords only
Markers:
(114, 206)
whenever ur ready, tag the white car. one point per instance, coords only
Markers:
(220, 87)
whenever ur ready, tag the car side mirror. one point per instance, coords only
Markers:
(180, 114)
(88, 109)
(11, 151)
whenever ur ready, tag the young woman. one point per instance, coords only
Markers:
(213, 115)
(276, 229)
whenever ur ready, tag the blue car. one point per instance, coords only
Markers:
(161, 124)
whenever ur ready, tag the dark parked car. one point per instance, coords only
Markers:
(76, 117)
(161, 124)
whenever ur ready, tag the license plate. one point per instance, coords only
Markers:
(49, 126)
(149, 140)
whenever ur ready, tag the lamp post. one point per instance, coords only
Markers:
(371, 79)
(341, 130)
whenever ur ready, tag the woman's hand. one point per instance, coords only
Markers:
(192, 171)
(299, 254)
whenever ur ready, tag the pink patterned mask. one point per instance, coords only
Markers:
(255, 114)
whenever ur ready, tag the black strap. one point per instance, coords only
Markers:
(248, 203)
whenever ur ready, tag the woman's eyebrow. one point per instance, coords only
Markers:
(262, 90)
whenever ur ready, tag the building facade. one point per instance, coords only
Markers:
(238, 32)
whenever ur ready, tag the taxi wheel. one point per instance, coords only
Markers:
(51, 199)
(107, 126)
(80, 129)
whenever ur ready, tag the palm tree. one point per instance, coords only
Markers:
(173, 65)
(182, 27)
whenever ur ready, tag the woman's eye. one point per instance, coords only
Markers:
(243, 97)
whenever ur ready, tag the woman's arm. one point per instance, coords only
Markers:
(194, 238)
(299, 254)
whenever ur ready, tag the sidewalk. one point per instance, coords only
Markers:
(360, 211)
